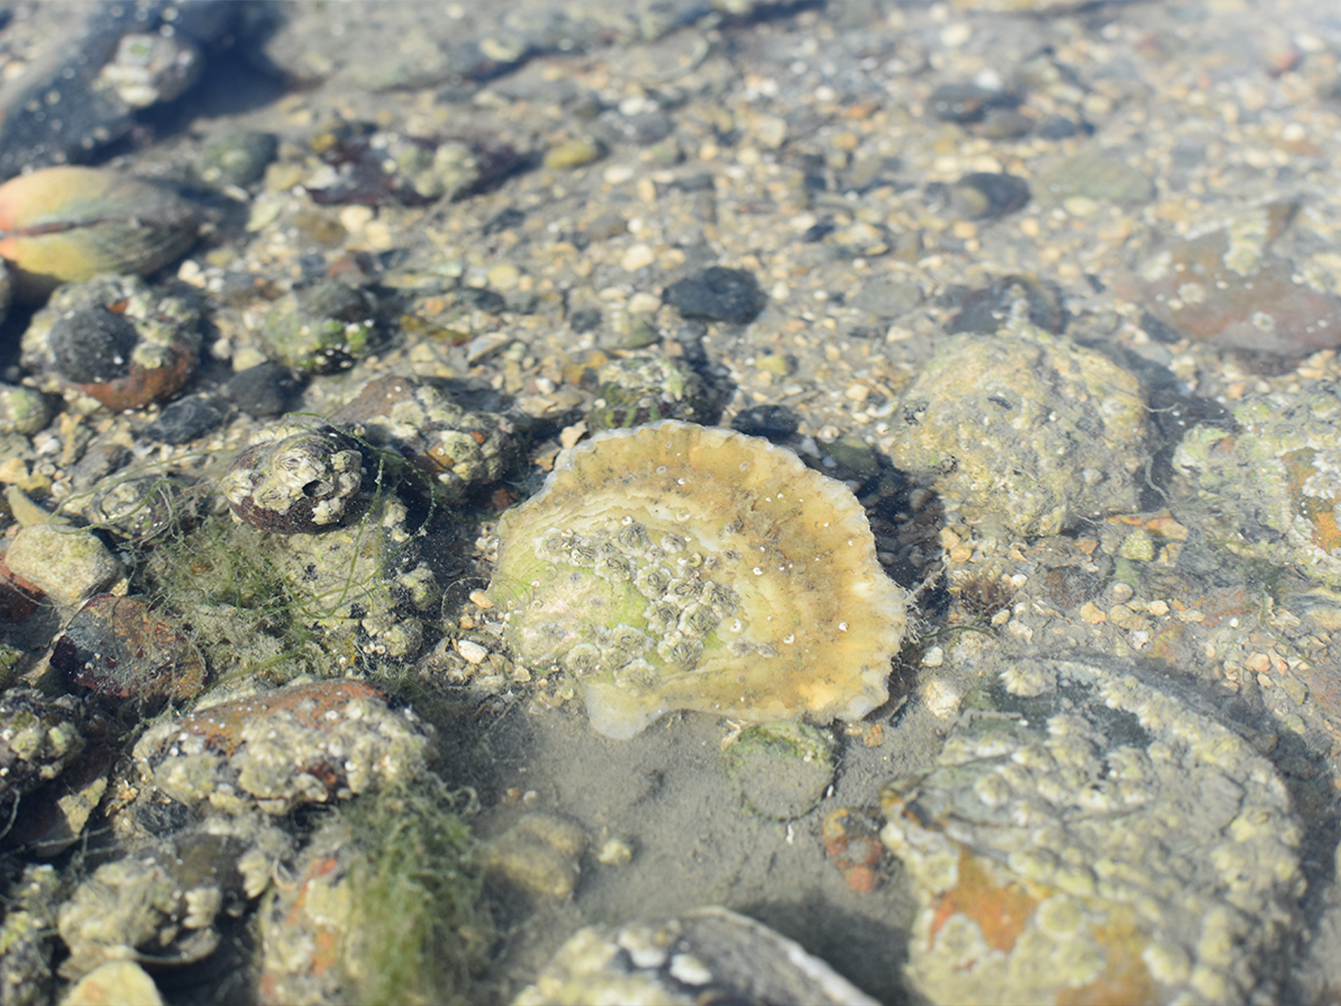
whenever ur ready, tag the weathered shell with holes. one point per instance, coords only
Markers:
(676, 566)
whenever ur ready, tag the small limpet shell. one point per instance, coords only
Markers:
(675, 566)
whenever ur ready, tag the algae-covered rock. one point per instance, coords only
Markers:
(1271, 490)
(384, 907)
(644, 388)
(782, 769)
(1025, 429)
(321, 328)
(1087, 835)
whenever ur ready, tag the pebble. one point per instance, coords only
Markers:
(572, 154)
(116, 983)
(23, 410)
(188, 419)
(236, 158)
(1096, 176)
(773, 422)
(781, 769)
(265, 390)
(986, 195)
(540, 854)
(717, 294)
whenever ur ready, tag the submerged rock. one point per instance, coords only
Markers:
(708, 955)
(675, 566)
(1028, 429)
(1272, 489)
(1089, 836)
(305, 743)
(1229, 288)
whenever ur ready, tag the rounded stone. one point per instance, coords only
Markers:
(302, 481)
(717, 294)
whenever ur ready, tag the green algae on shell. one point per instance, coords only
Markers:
(675, 566)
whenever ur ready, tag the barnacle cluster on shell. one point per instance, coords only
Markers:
(456, 448)
(296, 480)
(676, 566)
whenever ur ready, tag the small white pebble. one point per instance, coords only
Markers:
(471, 651)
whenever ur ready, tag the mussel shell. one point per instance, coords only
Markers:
(67, 224)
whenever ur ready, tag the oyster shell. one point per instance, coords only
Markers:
(676, 566)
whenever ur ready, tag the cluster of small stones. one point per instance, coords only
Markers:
(684, 605)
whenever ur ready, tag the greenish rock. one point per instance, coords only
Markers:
(238, 157)
(1024, 429)
(39, 739)
(887, 297)
(1138, 546)
(572, 153)
(23, 410)
(628, 330)
(1087, 835)
(321, 328)
(782, 768)
(708, 955)
(1095, 176)
(28, 936)
(855, 455)
(1270, 490)
(384, 907)
(644, 388)
(69, 565)
(114, 982)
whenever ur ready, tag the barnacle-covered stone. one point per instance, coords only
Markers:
(39, 738)
(149, 68)
(305, 743)
(22, 410)
(158, 903)
(27, 935)
(67, 564)
(321, 328)
(1087, 835)
(707, 955)
(1028, 430)
(1271, 490)
(459, 450)
(116, 340)
(645, 388)
(296, 480)
(68, 224)
(676, 566)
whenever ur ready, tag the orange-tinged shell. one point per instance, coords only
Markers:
(675, 566)
(67, 224)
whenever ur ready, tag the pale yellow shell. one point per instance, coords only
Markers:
(676, 566)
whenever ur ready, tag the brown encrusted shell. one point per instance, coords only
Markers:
(675, 566)
(301, 482)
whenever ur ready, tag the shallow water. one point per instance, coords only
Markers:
(1080, 428)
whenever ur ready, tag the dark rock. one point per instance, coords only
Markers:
(775, 422)
(1058, 127)
(92, 346)
(184, 420)
(1004, 124)
(965, 103)
(985, 310)
(985, 195)
(585, 319)
(505, 219)
(718, 294)
(267, 389)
